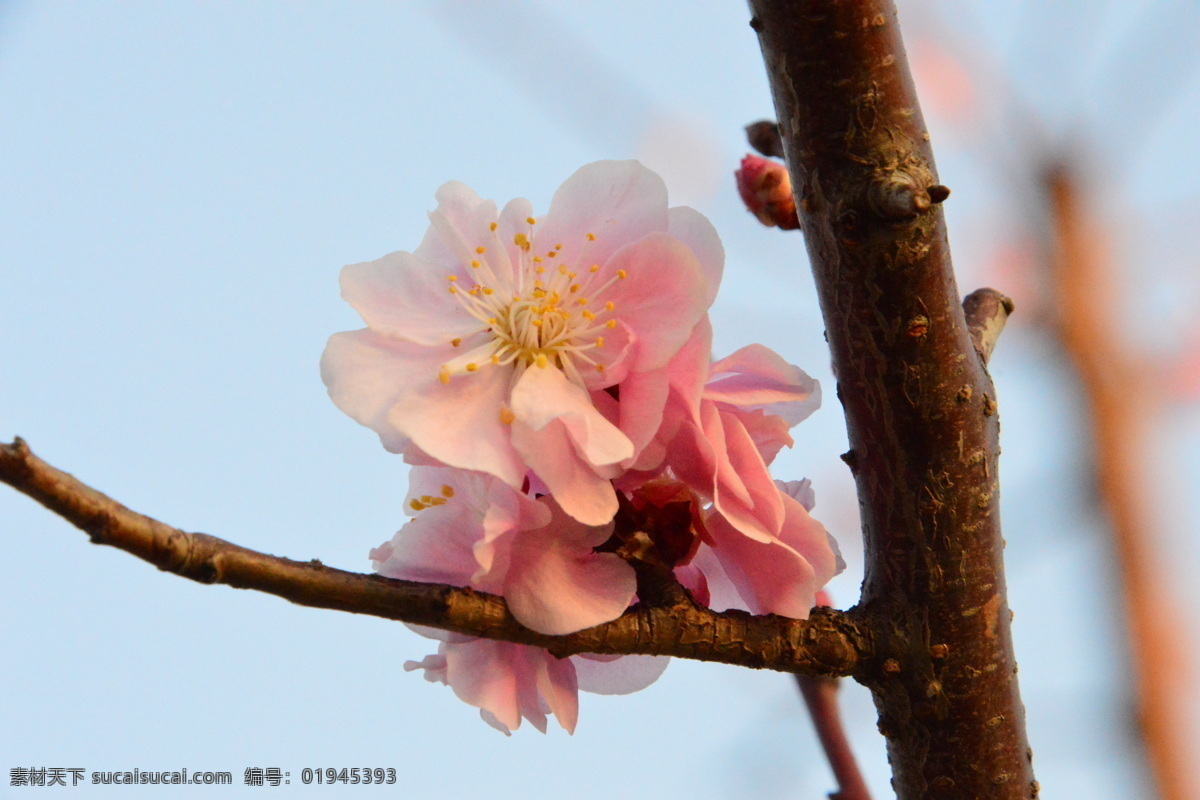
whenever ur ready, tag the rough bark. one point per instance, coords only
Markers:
(920, 406)
(828, 643)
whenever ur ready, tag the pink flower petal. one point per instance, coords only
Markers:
(693, 229)
(618, 202)
(623, 675)
(662, 297)
(459, 422)
(756, 377)
(557, 585)
(485, 673)
(543, 394)
(550, 453)
(457, 226)
(366, 374)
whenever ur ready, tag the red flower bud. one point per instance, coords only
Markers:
(766, 189)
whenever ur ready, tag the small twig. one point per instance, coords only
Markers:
(820, 695)
(987, 310)
(828, 643)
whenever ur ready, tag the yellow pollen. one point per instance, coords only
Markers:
(537, 323)
(599, 368)
(452, 278)
(472, 367)
(521, 241)
(437, 501)
(491, 320)
(416, 505)
(583, 301)
(541, 361)
(447, 491)
(589, 315)
(594, 268)
(531, 220)
(475, 264)
(455, 342)
(444, 375)
(493, 226)
(562, 270)
(622, 274)
(507, 416)
(599, 341)
(612, 323)
(495, 359)
(539, 285)
(591, 237)
(485, 290)
(481, 249)
(540, 270)
(558, 247)
(426, 499)
(574, 287)
(537, 260)
(473, 291)
(551, 254)
(453, 290)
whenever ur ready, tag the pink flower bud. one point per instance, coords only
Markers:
(766, 189)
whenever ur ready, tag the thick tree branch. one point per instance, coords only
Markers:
(920, 406)
(828, 643)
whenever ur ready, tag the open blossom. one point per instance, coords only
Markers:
(496, 345)
(471, 529)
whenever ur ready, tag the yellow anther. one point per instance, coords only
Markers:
(453, 290)
(475, 264)
(493, 226)
(495, 359)
(582, 301)
(622, 274)
(599, 341)
(416, 505)
(531, 220)
(540, 270)
(455, 342)
(507, 416)
(562, 270)
(481, 249)
(541, 361)
(551, 254)
(452, 278)
(589, 315)
(444, 375)
(472, 367)
(447, 491)
(537, 323)
(558, 247)
(591, 237)
(594, 268)
(473, 291)
(612, 323)
(426, 499)
(599, 368)
(574, 287)
(485, 290)
(571, 275)
(539, 285)
(537, 260)
(609, 306)
(491, 320)
(521, 241)
(437, 501)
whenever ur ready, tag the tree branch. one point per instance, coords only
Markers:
(920, 406)
(827, 643)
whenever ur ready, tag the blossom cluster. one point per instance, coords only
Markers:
(539, 373)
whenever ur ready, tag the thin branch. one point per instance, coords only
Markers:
(920, 406)
(820, 695)
(827, 643)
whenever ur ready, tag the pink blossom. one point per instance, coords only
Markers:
(471, 529)
(510, 682)
(491, 346)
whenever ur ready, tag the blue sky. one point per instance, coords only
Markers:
(179, 186)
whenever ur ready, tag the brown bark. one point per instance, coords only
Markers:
(1087, 324)
(920, 406)
(829, 642)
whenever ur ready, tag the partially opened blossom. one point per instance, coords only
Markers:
(510, 682)
(511, 344)
(471, 529)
